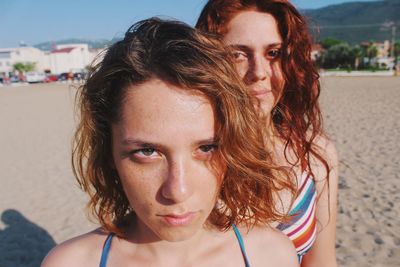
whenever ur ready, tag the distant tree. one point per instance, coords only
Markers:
(372, 51)
(30, 66)
(338, 56)
(396, 52)
(358, 54)
(397, 48)
(24, 67)
(19, 67)
(329, 42)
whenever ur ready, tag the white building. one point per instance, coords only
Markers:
(386, 62)
(68, 58)
(5, 60)
(10, 56)
(64, 58)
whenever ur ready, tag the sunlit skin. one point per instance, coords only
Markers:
(256, 43)
(162, 148)
(168, 159)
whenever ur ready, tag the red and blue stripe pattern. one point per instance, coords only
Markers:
(302, 228)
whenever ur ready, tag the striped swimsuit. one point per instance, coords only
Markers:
(302, 228)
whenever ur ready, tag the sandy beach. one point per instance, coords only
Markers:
(41, 204)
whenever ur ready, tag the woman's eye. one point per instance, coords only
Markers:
(144, 152)
(208, 148)
(239, 56)
(273, 53)
(147, 151)
(205, 152)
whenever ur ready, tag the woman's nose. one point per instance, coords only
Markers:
(177, 186)
(259, 69)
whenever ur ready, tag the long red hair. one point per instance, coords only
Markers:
(296, 116)
(199, 64)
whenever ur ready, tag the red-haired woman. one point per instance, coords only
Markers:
(163, 149)
(272, 46)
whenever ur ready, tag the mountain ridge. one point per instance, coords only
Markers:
(93, 43)
(352, 22)
(355, 22)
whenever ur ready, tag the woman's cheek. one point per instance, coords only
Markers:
(241, 68)
(277, 81)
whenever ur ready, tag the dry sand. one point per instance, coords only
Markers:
(362, 115)
(41, 205)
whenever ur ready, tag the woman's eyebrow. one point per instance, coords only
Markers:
(244, 48)
(247, 48)
(139, 143)
(207, 141)
(144, 144)
(273, 45)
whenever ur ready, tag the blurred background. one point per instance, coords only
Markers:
(47, 41)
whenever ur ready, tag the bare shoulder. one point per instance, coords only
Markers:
(325, 187)
(327, 148)
(83, 250)
(267, 246)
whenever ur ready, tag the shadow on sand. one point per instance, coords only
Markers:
(22, 243)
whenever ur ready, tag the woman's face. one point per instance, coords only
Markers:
(162, 148)
(257, 45)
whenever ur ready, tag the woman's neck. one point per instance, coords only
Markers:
(276, 146)
(149, 246)
(271, 136)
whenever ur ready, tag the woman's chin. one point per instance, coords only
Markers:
(177, 235)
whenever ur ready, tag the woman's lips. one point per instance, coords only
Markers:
(259, 93)
(179, 220)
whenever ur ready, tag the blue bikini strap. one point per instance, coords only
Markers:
(241, 244)
(107, 246)
(106, 250)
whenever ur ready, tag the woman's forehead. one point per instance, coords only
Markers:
(158, 111)
(252, 27)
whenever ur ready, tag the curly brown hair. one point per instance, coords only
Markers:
(189, 59)
(296, 116)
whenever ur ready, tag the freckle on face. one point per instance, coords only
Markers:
(257, 31)
(159, 113)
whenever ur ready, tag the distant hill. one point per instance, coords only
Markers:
(355, 22)
(352, 22)
(101, 43)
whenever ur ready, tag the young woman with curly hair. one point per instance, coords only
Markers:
(168, 150)
(272, 46)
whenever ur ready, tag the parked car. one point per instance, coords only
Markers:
(35, 77)
(51, 78)
(63, 76)
(79, 76)
(14, 79)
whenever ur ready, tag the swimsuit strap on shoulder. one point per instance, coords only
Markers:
(106, 250)
(107, 246)
(241, 244)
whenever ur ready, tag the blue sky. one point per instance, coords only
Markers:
(35, 21)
